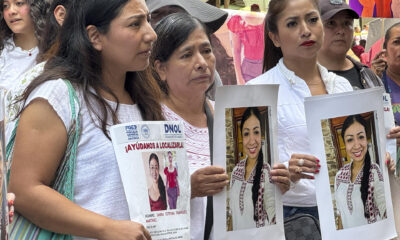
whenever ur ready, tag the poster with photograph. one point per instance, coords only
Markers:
(155, 175)
(245, 145)
(353, 191)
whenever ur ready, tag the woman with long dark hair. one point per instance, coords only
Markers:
(251, 192)
(293, 37)
(103, 46)
(359, 189)
(157, 196)
(185, 71)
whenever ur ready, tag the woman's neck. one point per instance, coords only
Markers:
(335, 62)
(115, 81)
(189, 108)
(355, 169)
(394, 74)
(25, 41)
(304, 69)
(250, 163)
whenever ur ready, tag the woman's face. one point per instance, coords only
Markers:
(338, 34)
(300, 31)
(170, 157)
(17, 16)
(189, 71)
(251, 137)
(393, 49)
(127, 44)
(154, 169)
(355, 140)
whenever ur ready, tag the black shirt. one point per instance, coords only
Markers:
(352, 75)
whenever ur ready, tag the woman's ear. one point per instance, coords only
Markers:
(275, 39)
(59, 14)
(94, 37)
(161, 69)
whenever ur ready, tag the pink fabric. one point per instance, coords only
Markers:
(251, 36)
(375, 49)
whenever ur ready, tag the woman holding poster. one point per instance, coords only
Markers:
(107, 43)
(359, 189)
(293, 37)
(252, 193)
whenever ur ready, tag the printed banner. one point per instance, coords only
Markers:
(245, 145)
(155, 175)
(353, 191)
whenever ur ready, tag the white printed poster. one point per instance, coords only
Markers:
(245, 131)
(155, 175)
(347, 133)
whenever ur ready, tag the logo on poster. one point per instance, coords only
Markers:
(145, 131)
(172, 130)
(132, 132)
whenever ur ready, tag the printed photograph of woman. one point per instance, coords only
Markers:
(358, 188)
(156, 188)
(251, 192)
(172, 186)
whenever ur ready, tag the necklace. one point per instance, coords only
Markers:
(30, 51)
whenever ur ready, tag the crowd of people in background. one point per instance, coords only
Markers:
(71, 69)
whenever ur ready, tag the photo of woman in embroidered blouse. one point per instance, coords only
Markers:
(157, 196)
(252, 192)
(171, 174)
(359, 187)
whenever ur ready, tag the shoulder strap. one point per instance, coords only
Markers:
(209, 211)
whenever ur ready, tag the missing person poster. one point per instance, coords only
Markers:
(155, 175)
(353, 191)
(245, 145)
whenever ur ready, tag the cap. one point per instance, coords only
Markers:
(211, 16)
(330, 8)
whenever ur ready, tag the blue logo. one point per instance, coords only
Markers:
(145, 131)
(132, 132)
(172, 128)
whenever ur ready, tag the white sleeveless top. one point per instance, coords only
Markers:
(98, 185)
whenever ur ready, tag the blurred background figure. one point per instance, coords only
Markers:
(338, 20)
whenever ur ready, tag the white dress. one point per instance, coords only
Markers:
(349, 205)
(14, 62)
(198, 156)
(241, 201)
(97, 184)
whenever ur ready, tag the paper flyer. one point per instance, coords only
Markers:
(245, 131)
(349, 138)
(152, 161)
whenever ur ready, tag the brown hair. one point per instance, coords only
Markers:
(78, 61)
(272, 54)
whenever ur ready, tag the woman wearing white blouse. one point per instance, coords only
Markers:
(359, 189)
(20, 27)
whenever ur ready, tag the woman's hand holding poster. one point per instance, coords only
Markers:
(154, 171)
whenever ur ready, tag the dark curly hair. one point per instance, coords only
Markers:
(38, 12)
(48, 42)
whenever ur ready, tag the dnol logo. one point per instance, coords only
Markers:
(172, 128)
